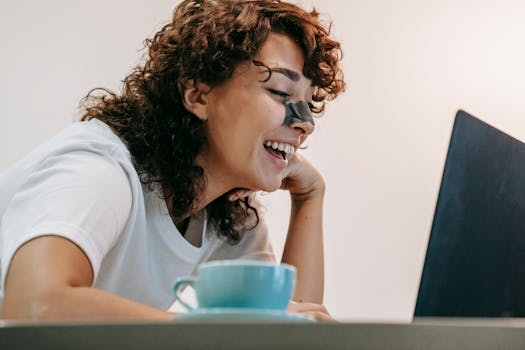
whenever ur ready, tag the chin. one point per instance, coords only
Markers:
(270, 187)
(268, 183)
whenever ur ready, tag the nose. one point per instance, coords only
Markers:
(305, 127)
(299, 116)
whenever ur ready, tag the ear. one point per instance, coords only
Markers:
(194, 97)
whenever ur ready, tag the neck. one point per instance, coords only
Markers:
(214, 187)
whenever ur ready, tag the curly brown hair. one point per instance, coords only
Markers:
(205, 41)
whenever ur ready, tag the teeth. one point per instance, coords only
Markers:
(283, 147)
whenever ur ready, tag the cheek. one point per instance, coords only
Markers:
(270, 114)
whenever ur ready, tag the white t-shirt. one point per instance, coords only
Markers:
(82, 185)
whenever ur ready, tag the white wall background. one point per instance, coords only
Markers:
(409, 64)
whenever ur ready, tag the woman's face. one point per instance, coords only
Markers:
(245, 115)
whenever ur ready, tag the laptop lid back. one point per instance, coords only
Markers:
(475, 260)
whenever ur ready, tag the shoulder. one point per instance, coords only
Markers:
(84, 158)
(89, 151)
(91, 136)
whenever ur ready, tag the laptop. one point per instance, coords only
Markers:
(475, 260)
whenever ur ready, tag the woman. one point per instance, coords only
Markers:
(99, 221)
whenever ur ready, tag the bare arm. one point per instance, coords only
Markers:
(50, 278)
(304, 247)
(304, 242)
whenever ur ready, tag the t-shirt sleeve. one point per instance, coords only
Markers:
(82, 196)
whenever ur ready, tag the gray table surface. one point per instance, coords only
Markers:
(425, 334)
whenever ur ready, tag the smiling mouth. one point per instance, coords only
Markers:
(279, 149)
(275, 152)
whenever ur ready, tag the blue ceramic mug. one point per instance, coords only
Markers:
(240, 284)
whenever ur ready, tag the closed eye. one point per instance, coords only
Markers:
(283, 95)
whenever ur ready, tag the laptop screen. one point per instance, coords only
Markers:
(475, 260)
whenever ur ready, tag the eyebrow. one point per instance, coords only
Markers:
(290, 74)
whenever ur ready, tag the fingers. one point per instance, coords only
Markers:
(307, 307)
(316, 311)
(319, 316)
(239, 193)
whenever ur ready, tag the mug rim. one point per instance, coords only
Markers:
(244, 262)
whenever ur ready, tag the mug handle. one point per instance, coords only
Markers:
(181, 282)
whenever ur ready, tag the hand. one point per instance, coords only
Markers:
(302, 179)
(239, 193)
(317, 311)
